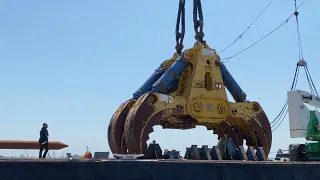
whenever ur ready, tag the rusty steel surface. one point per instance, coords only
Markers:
(116, 127)
(137, 129)
(260, 126)
(15, 144)
(157, 170)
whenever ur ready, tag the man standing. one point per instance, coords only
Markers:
(43, 140)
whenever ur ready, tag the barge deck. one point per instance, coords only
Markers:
(156, 170)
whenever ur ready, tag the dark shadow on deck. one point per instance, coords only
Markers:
(156, 170)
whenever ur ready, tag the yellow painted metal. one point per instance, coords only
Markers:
(206, 105)
(213, 110)
(200, 96)
(167, 63)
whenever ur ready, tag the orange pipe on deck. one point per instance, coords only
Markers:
(54, 145)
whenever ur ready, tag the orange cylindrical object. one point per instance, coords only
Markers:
(87, 155)
(54, 145)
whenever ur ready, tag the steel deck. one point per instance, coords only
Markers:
(156, 170)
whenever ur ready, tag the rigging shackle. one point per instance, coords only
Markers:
(180, 21)
(198, 23)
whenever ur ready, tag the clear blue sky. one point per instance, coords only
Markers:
(72, 63)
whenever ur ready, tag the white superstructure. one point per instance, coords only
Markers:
(299, 114)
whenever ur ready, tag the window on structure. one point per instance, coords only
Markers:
(208, 81)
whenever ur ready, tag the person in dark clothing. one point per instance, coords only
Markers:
(43, 140)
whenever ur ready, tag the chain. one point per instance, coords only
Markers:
(180, 21)
(198, 23)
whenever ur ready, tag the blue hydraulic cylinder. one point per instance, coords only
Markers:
(169, 77)
(146, 86)
(231, 84)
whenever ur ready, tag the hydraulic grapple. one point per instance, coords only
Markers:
(185, 91)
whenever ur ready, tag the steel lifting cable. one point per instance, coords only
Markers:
(180, 22)
(277, 122)
(312, 87)
(296, 13)
(283, 113)
(198, 21)
(301, 62)
(271, 32)
(315, 89)
(311, 84)
(241, 35)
